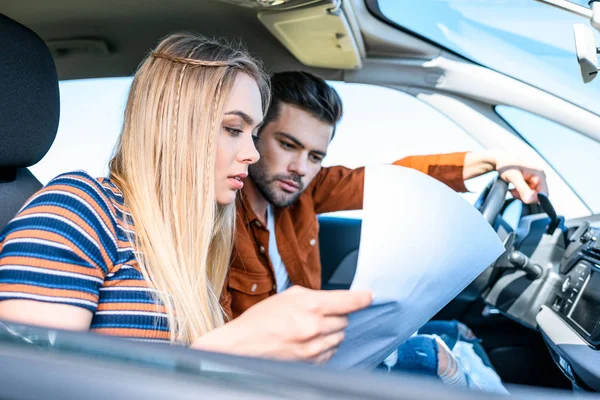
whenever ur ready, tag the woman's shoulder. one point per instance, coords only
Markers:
(77, 180)
(79, 195)
(81, 183)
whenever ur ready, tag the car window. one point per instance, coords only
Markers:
(381, 125)
(527, 40)
(91, 114)
(559, 145)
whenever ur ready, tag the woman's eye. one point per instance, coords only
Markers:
(234, 132)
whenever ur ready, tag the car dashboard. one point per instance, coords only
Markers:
(563, 302)
(570, 324)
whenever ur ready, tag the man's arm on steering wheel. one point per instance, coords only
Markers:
(528, 179)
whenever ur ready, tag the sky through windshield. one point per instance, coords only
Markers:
(525, 39)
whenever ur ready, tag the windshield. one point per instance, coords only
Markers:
(527, 40)
(577, 167)
(253, 374)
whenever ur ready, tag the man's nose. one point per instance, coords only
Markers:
(299, 165)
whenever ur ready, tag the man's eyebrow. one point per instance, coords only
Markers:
(247, 119)
(290, 137)
(298, 143)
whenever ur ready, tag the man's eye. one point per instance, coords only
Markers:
(255, 138)
(286, 145)
(234, 132)
(315, 159)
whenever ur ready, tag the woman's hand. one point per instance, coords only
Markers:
(298, 324)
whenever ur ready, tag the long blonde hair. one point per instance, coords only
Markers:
(164, 164)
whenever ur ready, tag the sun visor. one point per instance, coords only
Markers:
(320, 35)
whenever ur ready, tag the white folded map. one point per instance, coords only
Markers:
(421, 245)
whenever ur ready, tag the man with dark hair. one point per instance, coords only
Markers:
(303, 99)
(308, 92)
(276, 237)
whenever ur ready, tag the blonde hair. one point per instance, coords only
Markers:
(164, 164)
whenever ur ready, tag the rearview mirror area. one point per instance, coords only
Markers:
(587, 55)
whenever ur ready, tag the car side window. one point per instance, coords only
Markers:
(381, 125)
(91, 114)
(558, 144)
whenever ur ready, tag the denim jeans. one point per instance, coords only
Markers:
(453, 331)
(468, 363)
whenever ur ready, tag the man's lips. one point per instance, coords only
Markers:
(288, 185)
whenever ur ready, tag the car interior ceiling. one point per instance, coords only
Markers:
(97, 39)
(107, 39)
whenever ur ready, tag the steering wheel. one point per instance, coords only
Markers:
(491, 199)
(489, 203)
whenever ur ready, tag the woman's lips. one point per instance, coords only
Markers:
(236, 181)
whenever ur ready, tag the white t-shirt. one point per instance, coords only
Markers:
(282, 278)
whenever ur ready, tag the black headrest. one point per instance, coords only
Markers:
(29, 98)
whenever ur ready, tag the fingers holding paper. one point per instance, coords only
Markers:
(298, 324)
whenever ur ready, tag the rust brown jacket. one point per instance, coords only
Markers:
(251, 277)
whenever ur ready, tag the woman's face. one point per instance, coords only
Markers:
(235, 145)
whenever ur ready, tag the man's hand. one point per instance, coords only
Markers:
(527, 179)
(298, 324)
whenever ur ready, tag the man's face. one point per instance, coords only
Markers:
(291, 149)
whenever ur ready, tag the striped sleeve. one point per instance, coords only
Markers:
(61, 245)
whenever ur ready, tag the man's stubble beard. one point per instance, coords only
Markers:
(264, 183)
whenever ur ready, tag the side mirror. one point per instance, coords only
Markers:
(587, 54)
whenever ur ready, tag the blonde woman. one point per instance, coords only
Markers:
(143, 254)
